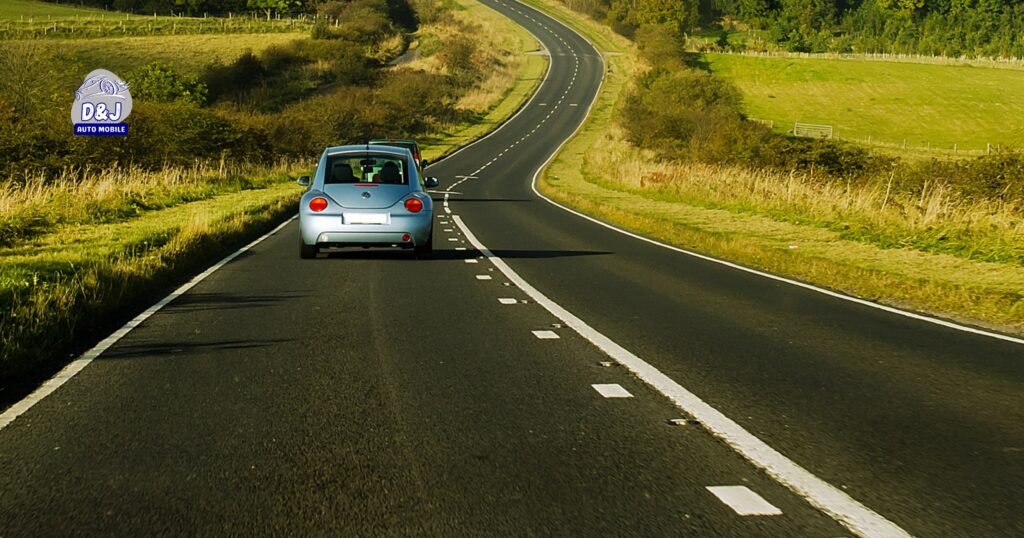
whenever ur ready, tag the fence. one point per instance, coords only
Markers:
(811, 130)
(1005, 63)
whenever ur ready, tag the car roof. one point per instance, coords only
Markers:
(355, 148)
(386, 141)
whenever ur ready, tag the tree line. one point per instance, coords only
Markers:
(398, 10)
(992, 28)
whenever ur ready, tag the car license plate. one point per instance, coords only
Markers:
(367, 218)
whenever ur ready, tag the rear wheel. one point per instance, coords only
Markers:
(307, 251)
(426, 250)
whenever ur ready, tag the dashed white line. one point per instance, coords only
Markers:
(612, 390)
(483, 277)
(470, 260)
(546, 335)
(744, 501)
(824, 496)
(507, 300)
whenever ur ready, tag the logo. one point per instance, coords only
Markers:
(366, 195)
(102, 103)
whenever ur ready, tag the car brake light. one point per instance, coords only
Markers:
(406, 237)
(414, 205)
(318, 204)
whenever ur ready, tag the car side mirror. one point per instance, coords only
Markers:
(424, 163)
(304, 181)
(432, 182)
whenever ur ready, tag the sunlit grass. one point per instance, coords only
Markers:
(187, 53)
(16, 9)
(884, 103)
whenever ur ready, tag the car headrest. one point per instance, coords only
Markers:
(389, 173)
(342, 173)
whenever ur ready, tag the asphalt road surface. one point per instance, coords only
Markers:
(368, 393)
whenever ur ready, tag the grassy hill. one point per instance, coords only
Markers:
(187, 53)
(890, 102)
(15, 9)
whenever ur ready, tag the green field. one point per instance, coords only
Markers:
(923, 105)
(15, 9)
(187, 53)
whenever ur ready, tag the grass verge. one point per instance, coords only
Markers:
(759, 234)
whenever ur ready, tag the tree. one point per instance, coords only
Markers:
(268, 6)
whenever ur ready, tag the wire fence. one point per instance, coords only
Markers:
(128, 24)
(1005, 63)
(907, 146)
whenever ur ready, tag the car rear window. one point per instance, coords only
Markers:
(366, 168)
(411, 146)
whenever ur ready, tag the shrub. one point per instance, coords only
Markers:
(231, 79)
(159, 83)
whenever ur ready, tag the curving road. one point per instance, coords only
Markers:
(366, 393)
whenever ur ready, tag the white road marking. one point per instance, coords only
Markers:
(546, 335)
(460, 248)
(507, 300)
(449, 230)
(483, 277)
(612, 390)
(744, 501)
(834, 502)
(827, 498)
(84, 359)
(453, 239)
(470, 260)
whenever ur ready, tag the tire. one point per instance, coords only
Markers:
(426, 250)
(307, 251)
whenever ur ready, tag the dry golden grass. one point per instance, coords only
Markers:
(501, 49)
(35, 205)
(805, 199)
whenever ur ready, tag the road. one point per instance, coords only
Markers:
(367, 393)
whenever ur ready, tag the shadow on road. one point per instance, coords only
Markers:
(162, 349)
(448, 255)
(195, 302)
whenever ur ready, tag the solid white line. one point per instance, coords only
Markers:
(837, 295)
(83, 360)
(612, 390)
(507, 300)
(744, 501)
(838, 505)
(546, 335)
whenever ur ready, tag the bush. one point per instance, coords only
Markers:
(234, 78)
(159, 83)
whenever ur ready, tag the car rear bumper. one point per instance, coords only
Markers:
(328, 230)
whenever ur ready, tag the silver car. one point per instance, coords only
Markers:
(367, 196)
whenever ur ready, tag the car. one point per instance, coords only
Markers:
(409, 144)
(366, 196)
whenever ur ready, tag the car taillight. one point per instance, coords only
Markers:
(318, 204)
(414, 205)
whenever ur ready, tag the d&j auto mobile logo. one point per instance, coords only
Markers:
(102, 103)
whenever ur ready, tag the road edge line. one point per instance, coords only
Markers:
(83, 360)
